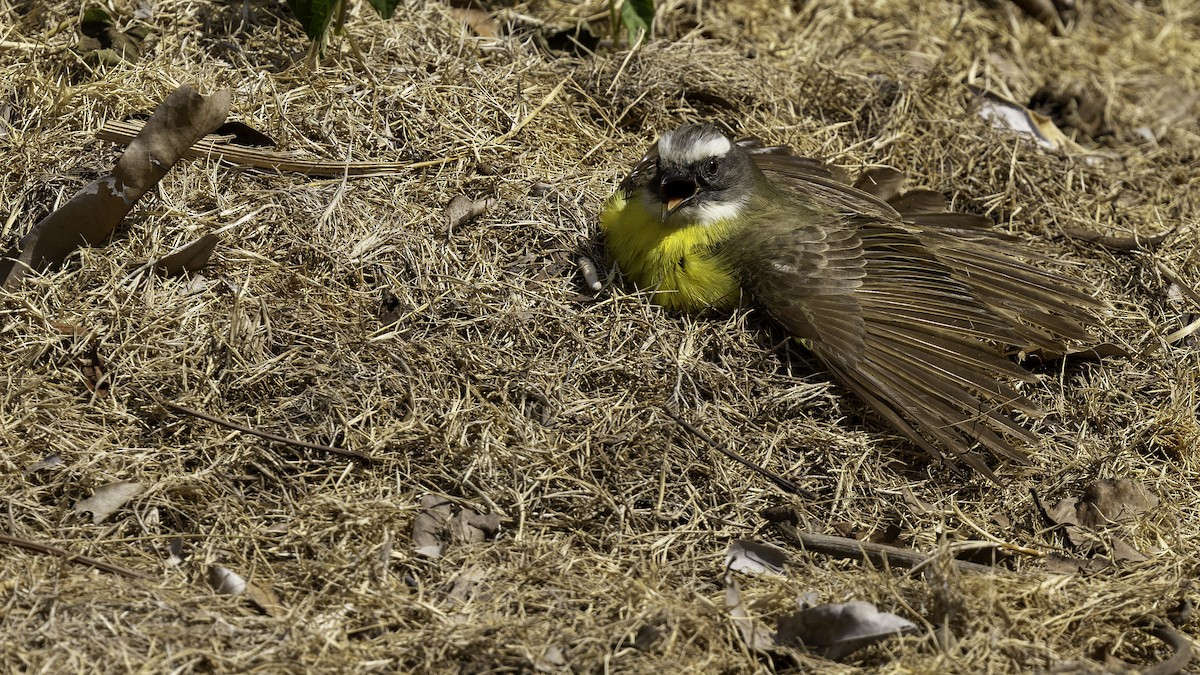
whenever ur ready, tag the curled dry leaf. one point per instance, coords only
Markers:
(440, 522)
(190, 257)
(225, 581)
(463, 208)
(1116, 500)
(427, 527)
(92, 214)
(1101, 513)
(48, 462)
(838, 630)
(752, 557)
(756, 636)
(1006, 114)
(107, 499)
(473, 528)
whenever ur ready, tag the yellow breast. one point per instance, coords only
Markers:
(678, 262)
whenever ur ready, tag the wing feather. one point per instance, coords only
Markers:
(908, 306)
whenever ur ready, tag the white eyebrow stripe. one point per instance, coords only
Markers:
(711, 146)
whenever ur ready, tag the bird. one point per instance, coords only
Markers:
(913, 308)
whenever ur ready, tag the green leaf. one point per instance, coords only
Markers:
(637, 17)
(314, 16)
(384, 7)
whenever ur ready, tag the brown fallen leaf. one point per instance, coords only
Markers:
(435, 513)
(189, 257)
(463, 208)
(757, 637)
(225, 581)
(474, 528)
(1006, 114)
(1099, 516)
(95, 212)
(440, 522)
(92, 367)
(838, 630)
(106, 499)
(755, 558)
(1116, 500)
(480, 22)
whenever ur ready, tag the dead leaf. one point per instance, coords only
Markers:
(480, 22)
(390, 308)
(188, 258)
(244, 134)
(225, 581)
(47, 462)
(92, 367)
(463, 208)
(1006, 114)
(96, 211)
(440, 522)
(1099, 516)
(1117, 500)
(838, 630)
(752, 557)
(757, 637)
(1120, 549)
(465, 582)
(103, 43)
(435, 513)
(264, 598)
(1073, 106)
(473, 528)
(107, 499)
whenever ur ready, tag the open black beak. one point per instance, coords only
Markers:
(676, 189)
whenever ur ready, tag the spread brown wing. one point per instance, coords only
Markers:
(933, 295)
(806, 275)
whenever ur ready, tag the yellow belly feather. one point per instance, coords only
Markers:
(678, 262)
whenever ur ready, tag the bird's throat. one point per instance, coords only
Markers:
(682, 262)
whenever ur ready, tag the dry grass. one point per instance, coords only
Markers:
(507, 387)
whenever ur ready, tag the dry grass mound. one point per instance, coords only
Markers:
(499, 397)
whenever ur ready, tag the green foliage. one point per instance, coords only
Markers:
(637, 16)
(384, 7)
(314, 16)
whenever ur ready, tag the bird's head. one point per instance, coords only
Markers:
(699, 176)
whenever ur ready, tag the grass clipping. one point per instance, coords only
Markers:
(514, 413)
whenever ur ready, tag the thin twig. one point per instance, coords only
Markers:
(880, 554)
(775, 478)
(124, 133)
(1179, 644)
(263, 434)
(71, 557)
